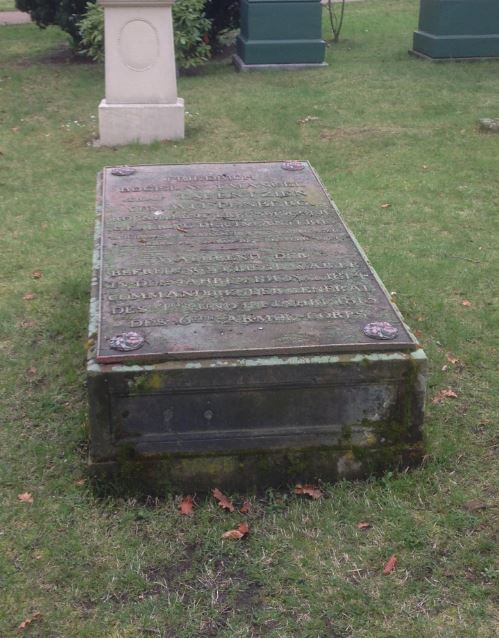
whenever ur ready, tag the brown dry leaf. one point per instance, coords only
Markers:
(447, 393)
(37, 274)
(224, 502)
(466, 303)
(236, 534)
(451, 358)
(28, 621)
(363, 525)
(31, 372)
(474, 506)
(25, 497)
(385, 205)
(15, 129)
(245, 507)
(390, 564)
(186, 505)
(80, 482)
(29, 296)
(309, 490)
(27, 323)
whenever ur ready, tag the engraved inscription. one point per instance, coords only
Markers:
(232, 259)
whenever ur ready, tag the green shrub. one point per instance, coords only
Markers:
(197, 24)
(190, 31)
(64, 13)
(92, 32)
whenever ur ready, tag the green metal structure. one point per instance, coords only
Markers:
(457, 29)
(280, 32)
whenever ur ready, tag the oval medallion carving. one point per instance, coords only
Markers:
(138, 44)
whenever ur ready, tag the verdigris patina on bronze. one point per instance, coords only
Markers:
(241, 336)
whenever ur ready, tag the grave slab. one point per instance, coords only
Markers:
(239, 336)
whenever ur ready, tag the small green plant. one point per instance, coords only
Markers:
(190, 33)
(336, 18)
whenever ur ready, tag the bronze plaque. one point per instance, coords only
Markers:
(204, 260)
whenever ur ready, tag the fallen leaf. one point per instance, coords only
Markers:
(390, 564)
(474, 505)
(385, 205)
(418, 333)
(31, 372)
(25, 497)
(425, 166)
(186, 505)
(37, 274)
(309, 490)
(29, 296)
(15, 129)
(444, 394)
(451, 358)
(363, 525)
(224, 502)
(236, 534)
(466, 303)
(27, 323)
(245, 507)
(24, 623)
(444, 368)
(80, 482)
(28, 621)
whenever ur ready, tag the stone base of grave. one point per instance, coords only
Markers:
(459, 48)
(121, 124)
(422, 56)
(284, 52)
(241, 66)
(457, 29)
(253, 423)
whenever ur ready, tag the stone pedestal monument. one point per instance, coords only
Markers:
(457, 29)
(141, 103)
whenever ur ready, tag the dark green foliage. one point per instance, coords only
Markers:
(64, 13)
(224, 16)
(190, 32)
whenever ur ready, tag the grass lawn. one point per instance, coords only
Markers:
(390, 130)
(7, 5)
